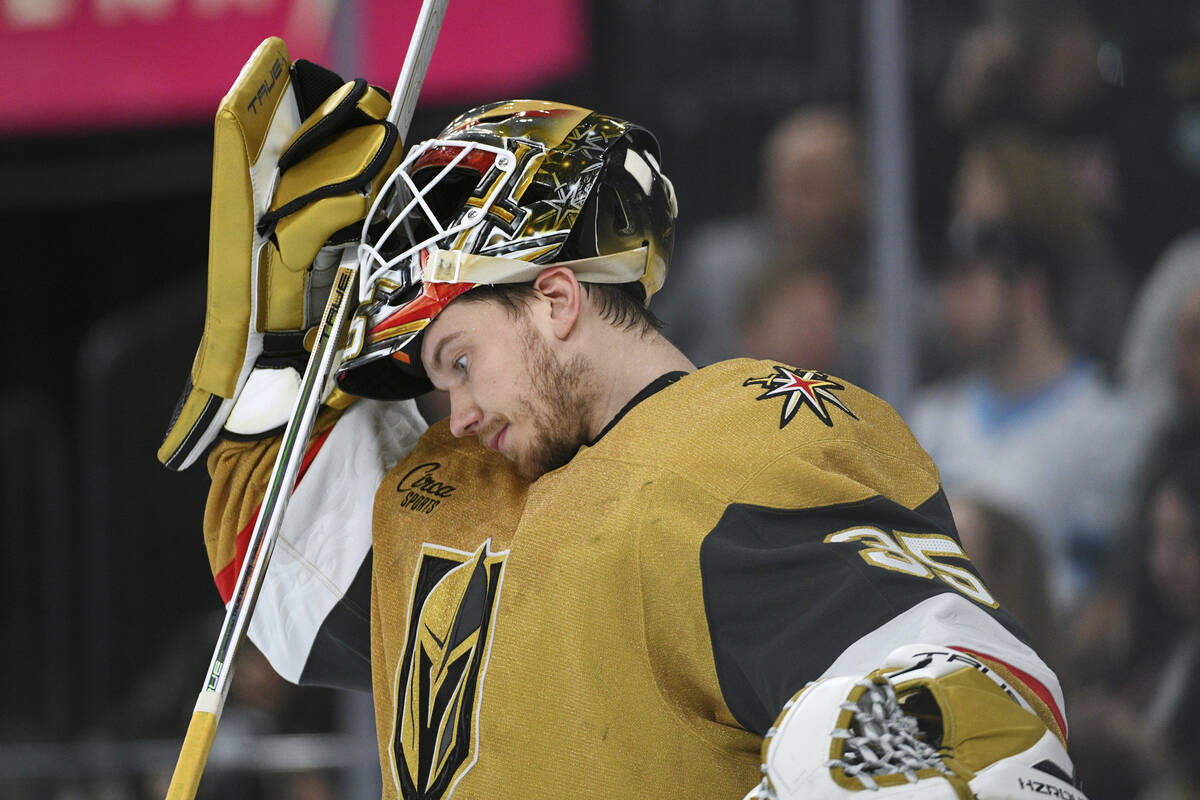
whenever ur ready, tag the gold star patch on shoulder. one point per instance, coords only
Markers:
(801, 388)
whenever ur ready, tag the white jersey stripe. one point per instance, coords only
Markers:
(952, 621)
(326, 532)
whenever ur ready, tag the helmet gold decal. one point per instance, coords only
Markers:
(502, 187)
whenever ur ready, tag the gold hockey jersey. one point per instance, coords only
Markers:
(630, 624)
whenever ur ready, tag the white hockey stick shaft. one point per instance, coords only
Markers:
(202, 729)
(416, 64)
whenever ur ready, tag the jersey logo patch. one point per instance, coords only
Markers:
(424, 488)
(801, 389)
(439, 681)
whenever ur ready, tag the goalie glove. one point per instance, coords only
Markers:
(298, 156)
(931, 724)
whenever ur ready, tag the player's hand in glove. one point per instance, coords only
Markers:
(298, 156)
(931, 724)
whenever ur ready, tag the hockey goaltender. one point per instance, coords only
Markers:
(608, 573)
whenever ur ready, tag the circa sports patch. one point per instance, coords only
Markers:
(424, 488)
(801, 389)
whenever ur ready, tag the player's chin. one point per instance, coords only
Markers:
(525, 463)
(528, 470)
(546, 456)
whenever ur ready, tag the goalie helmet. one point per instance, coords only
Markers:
(504, 191)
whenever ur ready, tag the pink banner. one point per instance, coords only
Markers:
(486, 50)
(87, 64)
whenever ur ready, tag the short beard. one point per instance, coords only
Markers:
(563, 394)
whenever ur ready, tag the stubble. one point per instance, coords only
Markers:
(563, 393)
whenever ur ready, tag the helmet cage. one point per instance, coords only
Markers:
(411, 222)
(495, 165)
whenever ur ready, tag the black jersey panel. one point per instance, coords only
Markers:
(783, 602)
(341, 651)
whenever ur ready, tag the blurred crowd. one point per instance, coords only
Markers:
(1059, 386)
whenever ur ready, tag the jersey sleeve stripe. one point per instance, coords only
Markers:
(226, 579)
(1047, 707)
(952, 621)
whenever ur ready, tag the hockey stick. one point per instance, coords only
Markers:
(203, 727)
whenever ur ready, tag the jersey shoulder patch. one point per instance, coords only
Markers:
(801, 390)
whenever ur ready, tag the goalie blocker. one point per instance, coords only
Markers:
(298, 156)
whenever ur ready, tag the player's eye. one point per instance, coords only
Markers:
(460, 364)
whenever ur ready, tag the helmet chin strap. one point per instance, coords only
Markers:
(459, 266)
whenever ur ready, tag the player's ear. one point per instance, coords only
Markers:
(564, 298)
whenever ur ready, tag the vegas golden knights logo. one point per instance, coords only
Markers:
(439, 681)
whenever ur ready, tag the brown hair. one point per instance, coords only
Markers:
(617, 304)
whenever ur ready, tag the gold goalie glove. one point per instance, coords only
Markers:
(298, 156)
(931, 724)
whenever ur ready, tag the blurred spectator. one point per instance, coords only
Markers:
(1160, 359)
(1010, 180)
(813, 186)
(1031, 61)
(1045, 65)
(1113, 87)
(1187, 360)
(1027, 422)
(999, 544)
(800, 317)
(811, 219)
(1140, 641)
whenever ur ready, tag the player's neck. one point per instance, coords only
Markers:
(626, 364)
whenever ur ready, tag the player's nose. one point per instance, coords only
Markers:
(465, 415)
